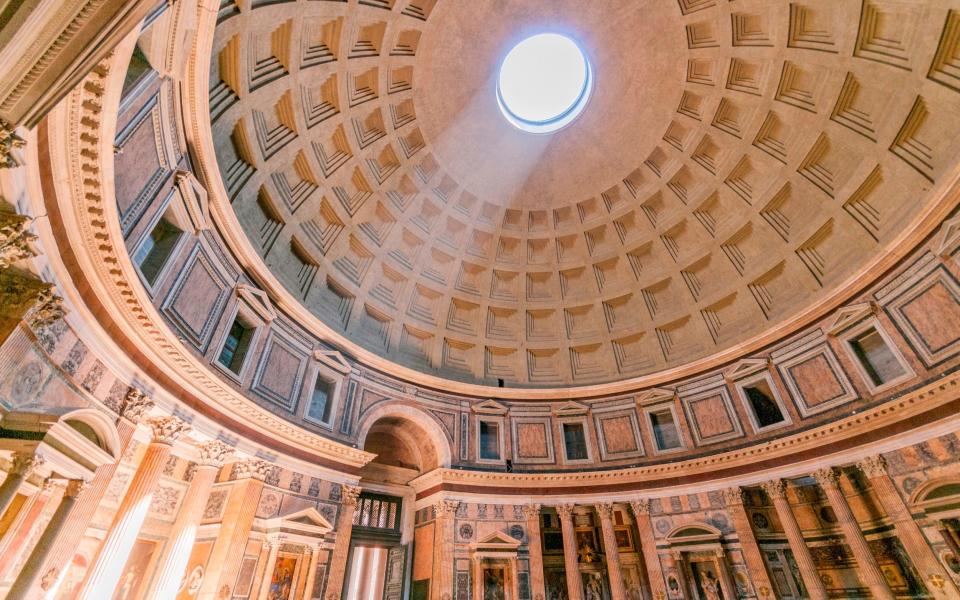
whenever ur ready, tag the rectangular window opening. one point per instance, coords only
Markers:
(235, 347)
(876, 357)
(156, 249)
(665, 431)
(321, 401)
(489, 440)
(763, 403)
(575, 441)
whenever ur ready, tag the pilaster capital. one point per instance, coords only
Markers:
(605, 510)
(733, 496)
(25, 464)
(531, 511)
(166, 429)
(9, 140)
(47, 309)
(251, 469)
(135, 405)
(873, 466)
(446, 508)
(273, 540)
(566, 510)
(776, 488)
(50, 483)
(640, 506)
(827, 477)
(214, 453)
(15, 238)
(349, 494)
(75, 487)
(23, 296)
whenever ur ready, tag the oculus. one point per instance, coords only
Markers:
(544, 83)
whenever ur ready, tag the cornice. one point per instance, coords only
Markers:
(840, 442)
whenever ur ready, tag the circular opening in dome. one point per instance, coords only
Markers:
(544, 83)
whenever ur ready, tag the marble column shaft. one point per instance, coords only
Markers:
(311, 574)
(268, 568)
(262, 559)
(907, 529)
(777, 491)
(748, 541)
(570, 557)
(648, 546)
(17, 539)
(868, 567)
(31, 567)
(172, 564)
(341, 549)
(443, 548)
(614, 572)
(105, 571)
(235, 525)
(85, 508)
(538, 590)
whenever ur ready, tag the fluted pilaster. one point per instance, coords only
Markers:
(341, 549)
(531, 513)
(648, 546)
(570, 557)
(777, 491)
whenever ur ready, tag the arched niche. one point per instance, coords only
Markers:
(94, 427)
(407, 441)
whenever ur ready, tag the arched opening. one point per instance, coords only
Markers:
(94, 427)
(407, 443)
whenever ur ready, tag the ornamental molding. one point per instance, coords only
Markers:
(84, 173)
(334, 360)
(746, 368)
(848, 316)
(665, 475)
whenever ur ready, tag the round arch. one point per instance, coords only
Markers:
(102, 426)
(414, 416)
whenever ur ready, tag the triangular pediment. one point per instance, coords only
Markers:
(744, 368)
(851, 315)
(334, 360)
(570, 409)
(195, 199)
(309, 517)
(949, 237)
(258, 301)
(655, 396)
(497, 541)
(489, 407)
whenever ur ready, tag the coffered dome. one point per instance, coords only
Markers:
(740, 169)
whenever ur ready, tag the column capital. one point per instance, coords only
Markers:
(251, 469)
(640, 506)
(25, 464)
(75, 487)
(827, 477)
(214, 453)
(565, 510)
(733, 496)
(273, 540)
(15, 238)
(50, 483)
(776, 488)
(349, 494)
(9, 140)
(166, 429)
(47, 309)
(135, 405)
(873, 466)
(605, 510)
(531, 511)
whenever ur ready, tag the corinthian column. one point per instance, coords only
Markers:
(238, 513)
(570, 558)
(777, 491)
(931, 569)
(443, 549)
(134, 406)
(176, 554)
(538, 589)
(617, 590)
(648, 545)
(103, 575)
(31, 568)
(748, 541)
(341, 548)
(272, 543)
(22, 466)
(870, 571)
